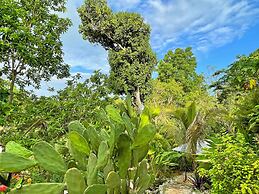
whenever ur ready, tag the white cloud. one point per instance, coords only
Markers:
(203, 24)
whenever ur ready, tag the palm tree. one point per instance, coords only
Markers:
(192, 126)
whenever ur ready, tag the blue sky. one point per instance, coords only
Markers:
(218, 31)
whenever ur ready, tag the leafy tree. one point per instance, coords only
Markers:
(180, 66)
(46, 118)
(164, 94)
(30, 45)
(240, 76)
(126, 36)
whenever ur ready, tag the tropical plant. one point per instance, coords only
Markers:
(199, 182)
(102, 160)
(247, 116)
(232, 165)
(192, 126)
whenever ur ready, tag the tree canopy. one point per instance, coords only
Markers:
(30, 45)
(180, 65)
(239, 76)
(126, 37)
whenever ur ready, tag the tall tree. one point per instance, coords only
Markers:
(30, 45)
(180, 66)
(240, 76)
(126, 37)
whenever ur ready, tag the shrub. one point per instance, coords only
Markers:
(234, 166)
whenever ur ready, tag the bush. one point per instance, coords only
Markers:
(234, 166)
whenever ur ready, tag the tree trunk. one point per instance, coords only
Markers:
(138, 102)
(11, 89)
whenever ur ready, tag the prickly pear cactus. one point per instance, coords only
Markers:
(110, 160)
(113, 182)
(15, 148)
(97, 188)
(14, 163)
(48, 158)
(75, 181)
(42, 188)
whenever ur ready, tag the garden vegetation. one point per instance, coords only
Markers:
(119, 133)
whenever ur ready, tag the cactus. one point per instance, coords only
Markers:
(108, 161)
(14, 163)
(41, 188)
(103, 155)
(113, 183)
(75, 181)
(143, 178)
(97, 188)
(78, 142)
(48, 158)
(93, 136)
(108, 168)
(124, 155)
(15, 148)
(145, 135)
(79, 158)
(114, 114)
(76, 126)
(89, 133)
(92, 170)
(139, 153)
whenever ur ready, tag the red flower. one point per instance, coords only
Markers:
(3, 188)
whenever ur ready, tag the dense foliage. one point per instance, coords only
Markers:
(30, 45)
(180, 66)
(116, 158)
(241, 75)
(126, 36)
(234, 166)
(46, 118)
(126, 132)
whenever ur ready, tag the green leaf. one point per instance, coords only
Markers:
(13, 163)
(48, 158)
(114, 114)
(144, 136)
(113, 180)
(124, 154)
(93, 137)
(144, 120)
(78, 142)
(92, 170)
(76, 126)
(103, 155)
(75, 181)
(96, 189)
(15, 148)
(139, 153)
(40, 188)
